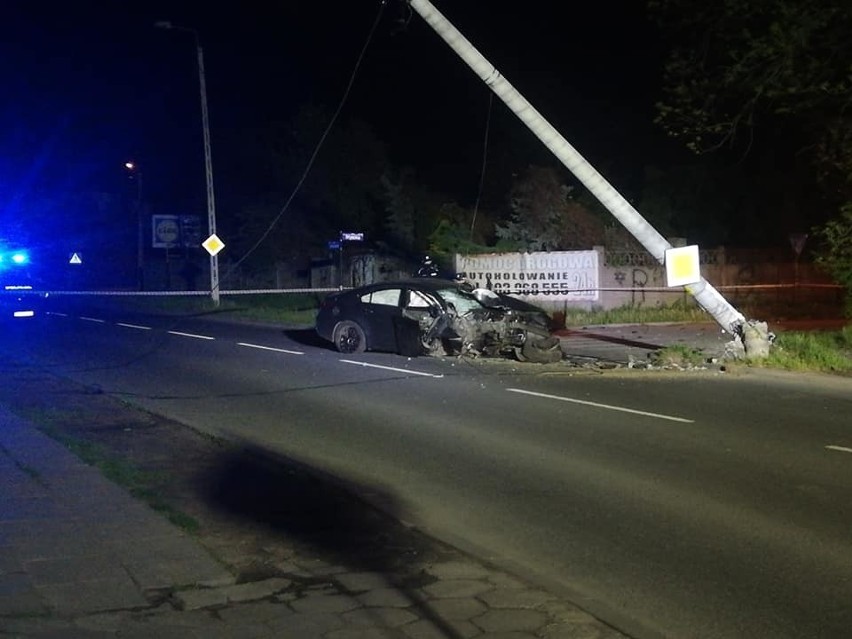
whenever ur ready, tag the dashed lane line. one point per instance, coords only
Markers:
(137, 326)
(391, 368)
(584, 402)
(842, 449)
(270, 348)
(192, 335)
(182, 334)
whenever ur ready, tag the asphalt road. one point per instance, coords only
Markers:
(677, 505)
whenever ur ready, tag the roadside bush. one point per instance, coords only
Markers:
(835, 253)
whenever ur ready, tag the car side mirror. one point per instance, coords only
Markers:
(434, 311)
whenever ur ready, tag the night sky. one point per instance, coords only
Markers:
(88, 85)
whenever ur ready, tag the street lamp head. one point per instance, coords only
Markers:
(165, 24)
(130, 166)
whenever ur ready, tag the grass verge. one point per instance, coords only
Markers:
(822, 351)
(638, 315)
(291, 308)
(812, 351)
(141, 484)
(679, 355)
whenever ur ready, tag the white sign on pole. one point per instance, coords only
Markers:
(165, 231)
(569, 275)
(797, 242)
(682, 266)
(213, 244)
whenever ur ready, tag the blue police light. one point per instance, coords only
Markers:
(10, 259)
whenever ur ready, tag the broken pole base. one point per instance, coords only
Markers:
(756, 338)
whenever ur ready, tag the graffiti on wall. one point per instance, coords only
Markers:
(637, 280)
(569, 275)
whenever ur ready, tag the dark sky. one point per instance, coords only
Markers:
(88, 84)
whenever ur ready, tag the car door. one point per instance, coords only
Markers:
(420, 306)
(381, 308)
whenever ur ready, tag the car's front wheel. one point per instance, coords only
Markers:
(540, 351)
(349, 337)
(434, 347)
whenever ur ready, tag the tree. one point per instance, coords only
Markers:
(345, 181)
(745, 71)
(836, 251)
(453, 233)
(342, 191)
(702, 200)
(421, 221)
(411, 211)
(545, 216)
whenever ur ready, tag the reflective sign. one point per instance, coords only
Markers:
(165, 231)
(797, 242)
(213, 244)
(682, 266)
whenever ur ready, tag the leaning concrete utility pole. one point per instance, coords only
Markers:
(729, 318)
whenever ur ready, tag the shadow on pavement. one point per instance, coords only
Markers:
(612, 339)
(283, 495)
(308, 337)
(328, 517)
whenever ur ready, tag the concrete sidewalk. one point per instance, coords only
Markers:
(80, 557)
(629, 344)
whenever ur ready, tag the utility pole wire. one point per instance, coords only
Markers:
(484, 162)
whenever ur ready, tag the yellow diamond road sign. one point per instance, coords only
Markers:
(682, 266)
(213, 244)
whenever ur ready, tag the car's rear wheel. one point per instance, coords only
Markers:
(349, 337)
(541, 351)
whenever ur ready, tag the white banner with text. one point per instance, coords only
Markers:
(571, 275)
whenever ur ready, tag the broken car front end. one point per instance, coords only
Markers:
(480, 324)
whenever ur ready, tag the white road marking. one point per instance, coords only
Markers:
(141, 328)
(842, 449)
(269, 348)
(606, 406)
(92, 319)
(390, 368)
(57, 314)
(190, 335)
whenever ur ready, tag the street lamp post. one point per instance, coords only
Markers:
(208, 162)
(136, 174)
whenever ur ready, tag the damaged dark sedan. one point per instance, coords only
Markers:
(436, 317)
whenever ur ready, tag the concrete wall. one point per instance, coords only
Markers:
(634, 278)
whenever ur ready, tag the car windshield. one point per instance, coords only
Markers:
(463, 302)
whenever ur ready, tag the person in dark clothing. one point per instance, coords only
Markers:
(428, 268)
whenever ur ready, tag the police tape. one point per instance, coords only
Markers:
(532, 291)
(106, 293)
